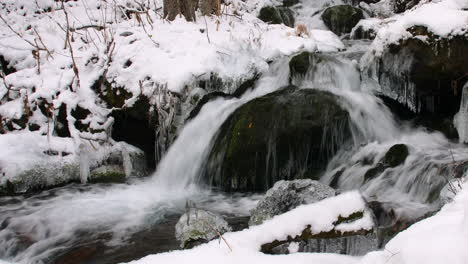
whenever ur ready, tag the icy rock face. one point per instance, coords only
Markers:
(356, 245)
(123, 162)
(198, 226)
(419, 71)
(287, 195)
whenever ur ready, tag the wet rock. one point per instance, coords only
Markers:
(342, 18)
(282, 135)
(198, 226)
(394, 157)
(426, 75)
(299, 64)
(400, 6)
(362, 32)
(287, 195)
(205, 99)
(277, 15)
(288, 3)
(136, 126)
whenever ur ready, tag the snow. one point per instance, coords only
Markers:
(26, 150)
(453, 22)
(246, 244)
(438, 239)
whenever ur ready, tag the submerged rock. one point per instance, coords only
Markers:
(342, 18)
(283, 135)
(277, 15)
(198, 226)
(394, 157)
(287, 195)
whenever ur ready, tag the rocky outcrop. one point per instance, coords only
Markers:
(342, 18)
(287, 195)
(287, 134)
(277, 15)
(424, 72)
(198, 226)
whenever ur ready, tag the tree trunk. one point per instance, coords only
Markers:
(172, 8)
(210, 7)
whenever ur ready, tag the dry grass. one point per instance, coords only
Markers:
(302, 30)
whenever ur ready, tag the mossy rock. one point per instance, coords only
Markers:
(278, 136)
(342, 18)
(277, 15)
(396, 155)
(108, 174)
(299, 64)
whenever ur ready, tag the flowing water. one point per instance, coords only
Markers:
(38, 228)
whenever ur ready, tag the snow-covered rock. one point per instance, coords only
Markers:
(30, 161)
(199, 226)
(418, 57)
(244, 246)
(287, 195)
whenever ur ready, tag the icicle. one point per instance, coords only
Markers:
(84, 163)
(461, 118)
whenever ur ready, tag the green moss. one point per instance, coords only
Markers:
(342, 18)
(277, 15)
(300, 64)
(108, 177)
(396, 155)
(262, 138)
(270, 14)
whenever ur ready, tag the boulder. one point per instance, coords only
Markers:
(277, 15)
(299, 64)
(287, 195)
(288, 134)
(394, 157)
(198, 226)
(342, 18)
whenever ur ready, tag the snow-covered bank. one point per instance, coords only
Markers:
(441, 238)
(31, 161)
